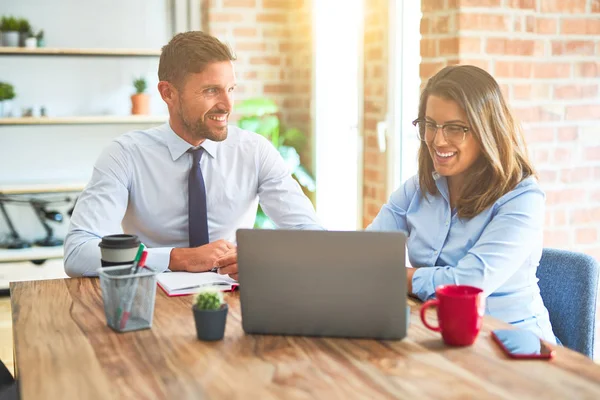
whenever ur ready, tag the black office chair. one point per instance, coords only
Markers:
(8, 386)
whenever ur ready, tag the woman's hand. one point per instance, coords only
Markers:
(409, 275)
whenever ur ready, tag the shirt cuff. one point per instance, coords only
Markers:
(158, 258)
(422, 283)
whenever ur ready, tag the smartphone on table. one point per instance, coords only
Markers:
(522, 344)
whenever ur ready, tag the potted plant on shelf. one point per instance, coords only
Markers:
(7, 93)
(31, 41)
(261, 115)
(10, 32)
(140, 101)
(210, 314)
(24, 31)
(40, 38)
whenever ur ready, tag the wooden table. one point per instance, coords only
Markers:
(64, 350)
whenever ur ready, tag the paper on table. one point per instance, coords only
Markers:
(182, 283)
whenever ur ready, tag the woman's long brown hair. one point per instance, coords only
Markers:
(504, 161)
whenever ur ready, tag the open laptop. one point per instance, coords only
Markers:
(323, 283)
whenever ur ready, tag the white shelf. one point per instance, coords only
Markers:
(56, 51)
(47, 187)
(32, 253)
(28, 271)
(85, 120)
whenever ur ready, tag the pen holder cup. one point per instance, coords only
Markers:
(128, 298)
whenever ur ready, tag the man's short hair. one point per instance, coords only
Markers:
(190, 52)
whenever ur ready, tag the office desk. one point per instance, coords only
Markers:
(64, 350)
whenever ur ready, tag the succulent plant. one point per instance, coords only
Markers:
(209, 299)
(140, 85)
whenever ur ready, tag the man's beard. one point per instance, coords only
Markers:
(199, 130)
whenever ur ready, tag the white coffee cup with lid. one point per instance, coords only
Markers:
(119, 249)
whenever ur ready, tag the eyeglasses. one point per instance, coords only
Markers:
(453, 133)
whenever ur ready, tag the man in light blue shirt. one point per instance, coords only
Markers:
(140, 182)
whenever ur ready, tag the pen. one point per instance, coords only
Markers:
(137, 258)
(131, 292)
(142, 262)
(204, 284)
(133, 268)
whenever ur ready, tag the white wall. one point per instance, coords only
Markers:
(70, 86)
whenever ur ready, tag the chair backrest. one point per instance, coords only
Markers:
(569, 287)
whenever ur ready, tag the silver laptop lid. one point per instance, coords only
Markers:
(323, 283)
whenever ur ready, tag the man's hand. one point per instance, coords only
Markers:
(227, 264)
(199, 259)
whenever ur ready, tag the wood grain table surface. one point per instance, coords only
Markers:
(64, 350)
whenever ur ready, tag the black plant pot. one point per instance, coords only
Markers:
(210, 324)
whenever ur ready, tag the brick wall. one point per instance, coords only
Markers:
(299, 73)
(375, 106)
(257, 30)
(273, 43)
(545, 55)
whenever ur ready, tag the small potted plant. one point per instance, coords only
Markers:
(140, 101)
(31, 41)
(10, 31)
(210, 314)
(7, 93)
(40, 38)
(24, 31)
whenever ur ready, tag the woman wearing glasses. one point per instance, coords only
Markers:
(474, 214)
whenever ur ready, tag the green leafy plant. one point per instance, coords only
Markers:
(24, 26)
(260, 115)
(7, 91)
(9, 24)
(40, 34)
(140, 85)
(209, 299)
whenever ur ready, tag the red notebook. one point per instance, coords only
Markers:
(184, 283)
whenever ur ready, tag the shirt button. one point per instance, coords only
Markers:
(435, 252)
(447, 222)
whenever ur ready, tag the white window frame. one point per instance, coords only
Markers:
(324, 159)
(403, 95)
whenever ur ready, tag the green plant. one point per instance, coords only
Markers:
(9, 24)
(40, 34)
(24, 26)
(209, 299)
(140, 85)
(261, 116)
(7, 91)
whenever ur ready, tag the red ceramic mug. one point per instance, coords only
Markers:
(460, 311)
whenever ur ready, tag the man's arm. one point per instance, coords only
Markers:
(99, 211)
(280, 196)
(199, 259)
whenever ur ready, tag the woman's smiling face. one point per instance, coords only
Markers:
(454, 153)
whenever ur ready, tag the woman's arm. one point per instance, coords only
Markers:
(502, 248)
(392, 216)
